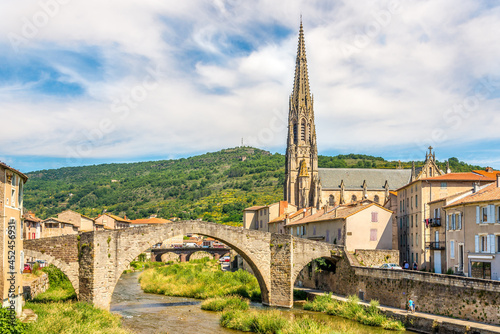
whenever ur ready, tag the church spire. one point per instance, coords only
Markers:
(302, 185)
(301, 96)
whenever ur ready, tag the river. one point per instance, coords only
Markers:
(146, 313)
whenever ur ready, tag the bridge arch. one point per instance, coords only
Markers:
(199, 254)
(69, 269)
(106, 254)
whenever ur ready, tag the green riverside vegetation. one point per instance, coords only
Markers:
(353, 310)
(214, 186)
(199, 279)
(58, 312)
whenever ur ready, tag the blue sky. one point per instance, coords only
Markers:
(96, 82)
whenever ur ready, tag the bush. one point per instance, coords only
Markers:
(9, 325)
(219, 304)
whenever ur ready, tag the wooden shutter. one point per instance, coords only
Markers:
(492, 243)
(478, 213)
(476, 245)
(447, 222)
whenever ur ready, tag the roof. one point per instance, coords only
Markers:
(30, 216)
(468, 176)
(150, 221)
(340, 212)
(451, 197)
(253, 208)
(120, 219)
(354, 177)
(57, 220)
(488, 193)
(24, 176)
(488, 173)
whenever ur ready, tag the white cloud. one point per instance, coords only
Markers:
(379, 80)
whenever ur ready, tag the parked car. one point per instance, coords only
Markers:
(390, 266)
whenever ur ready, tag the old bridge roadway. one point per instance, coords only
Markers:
(185, 254)
(94, 261)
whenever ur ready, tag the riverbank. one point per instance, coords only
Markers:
(59, 312)
(421, 322)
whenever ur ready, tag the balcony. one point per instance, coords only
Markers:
(437, 245)
(434, 222)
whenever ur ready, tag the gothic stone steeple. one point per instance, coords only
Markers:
(302, 187)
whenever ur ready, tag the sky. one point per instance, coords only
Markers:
(91, 82)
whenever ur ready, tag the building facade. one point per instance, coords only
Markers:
(428, 184)
(11, 242)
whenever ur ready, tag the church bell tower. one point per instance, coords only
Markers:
(302, 187)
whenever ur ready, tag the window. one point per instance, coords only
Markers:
(484, 216)
(411, 219)
(498, 244)
(376, 199)
(436, 213)
(444, 185)
(327, 235)
(14, 179)
(303, 131)
(452, 249)
(412, 202)
(13, 198)
(331, 200)
(354, 198)
(261, 224)
(309, 132)
(416, 220)
(416, 239)
(373, 234)
(374, 217)
(416, 257)
(430, 171)
(453, 222)
(291, 230)
(314, 230)
(339, 234)
(401, 223)
(295, 137)
(416, 201)
(459, 221)
(411, 238)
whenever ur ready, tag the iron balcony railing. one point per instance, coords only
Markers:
(435, 222)
(437, 244)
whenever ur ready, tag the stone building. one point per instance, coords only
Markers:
(54, 227)
(259, 217)
(473, 232)
(11, 243)
(361, 225)
(306, 185)
(32, 226)
(83, 223)
(112, 222)
(428, 183)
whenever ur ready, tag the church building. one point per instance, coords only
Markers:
(306, 185)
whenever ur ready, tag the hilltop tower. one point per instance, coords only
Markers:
(302, 187)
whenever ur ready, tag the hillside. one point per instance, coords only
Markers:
(214, 186)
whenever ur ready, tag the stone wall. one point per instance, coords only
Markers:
(376, 257)
(60, 251)
(460, 297)
(31, 288)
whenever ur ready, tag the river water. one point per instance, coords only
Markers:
(147, 313)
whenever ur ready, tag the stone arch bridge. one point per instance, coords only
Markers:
(186, 253)
(94, 261)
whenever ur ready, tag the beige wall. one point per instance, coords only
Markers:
(54, 228)
(416, 197)
(359, 227)
(11, 210)
(467, 237)
(87, 224)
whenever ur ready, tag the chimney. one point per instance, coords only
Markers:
(475, 187)
(325, 209)
(489, 169)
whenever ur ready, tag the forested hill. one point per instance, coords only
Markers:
(214, 186)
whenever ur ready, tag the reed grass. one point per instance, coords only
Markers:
(219, 304)
(351, 309)
(199, 279)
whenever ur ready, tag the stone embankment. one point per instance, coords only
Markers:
(32, 286)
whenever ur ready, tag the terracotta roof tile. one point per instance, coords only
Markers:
(488, 193)
(150, 221)
(468, 176)
(253, 208)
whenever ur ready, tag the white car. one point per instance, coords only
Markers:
(390, 266)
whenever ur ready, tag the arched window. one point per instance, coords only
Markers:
(354, 198)
(376, 199)
(331, 200)
(430, 171)
(295, 133)
(303, 131)
(309, 132)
